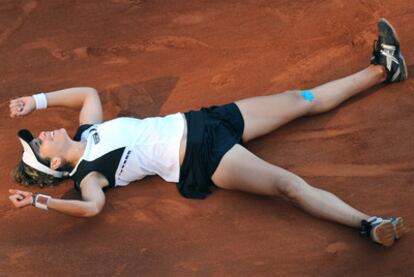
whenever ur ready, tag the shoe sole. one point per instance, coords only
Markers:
(395, 34)
(399, 228)
(384, 234)
(405, 72)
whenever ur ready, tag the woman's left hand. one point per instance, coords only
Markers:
(20, 198)
(22, 106)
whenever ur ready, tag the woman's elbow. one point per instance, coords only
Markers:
(91, 90)
(92, 211)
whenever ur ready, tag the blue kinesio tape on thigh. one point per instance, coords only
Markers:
(307, 95)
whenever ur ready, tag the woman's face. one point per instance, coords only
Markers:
(51, 144)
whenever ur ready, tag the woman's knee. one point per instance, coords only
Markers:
(306, 102)
(292, 188)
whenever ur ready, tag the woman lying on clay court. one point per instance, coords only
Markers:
(198, 150)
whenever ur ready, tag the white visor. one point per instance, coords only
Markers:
(30, 158)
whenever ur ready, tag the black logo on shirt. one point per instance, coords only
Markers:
(95, 136)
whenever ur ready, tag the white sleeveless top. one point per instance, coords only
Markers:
(128, 149)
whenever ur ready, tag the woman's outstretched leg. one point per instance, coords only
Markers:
(263, 114)
(239, 169)
(242, 170)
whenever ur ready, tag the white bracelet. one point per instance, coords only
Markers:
(40, 100)
(39, 205)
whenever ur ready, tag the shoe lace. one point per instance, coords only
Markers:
(377, 45)
(376, 49)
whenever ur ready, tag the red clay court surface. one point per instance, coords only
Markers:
(158, 57)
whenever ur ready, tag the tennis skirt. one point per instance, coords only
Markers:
(211, 132)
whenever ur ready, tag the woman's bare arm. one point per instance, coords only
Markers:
(93, 198)
(84, 98)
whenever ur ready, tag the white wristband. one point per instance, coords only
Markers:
(36, 202)
(40, 100)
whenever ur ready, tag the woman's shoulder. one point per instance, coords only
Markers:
(82, 128)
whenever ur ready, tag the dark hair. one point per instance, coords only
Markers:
(28, 176)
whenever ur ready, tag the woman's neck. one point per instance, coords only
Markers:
(75, 152)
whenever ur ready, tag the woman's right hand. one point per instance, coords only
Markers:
(22, 106)
(20, 198)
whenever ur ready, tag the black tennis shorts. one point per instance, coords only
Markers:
(211, 132)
